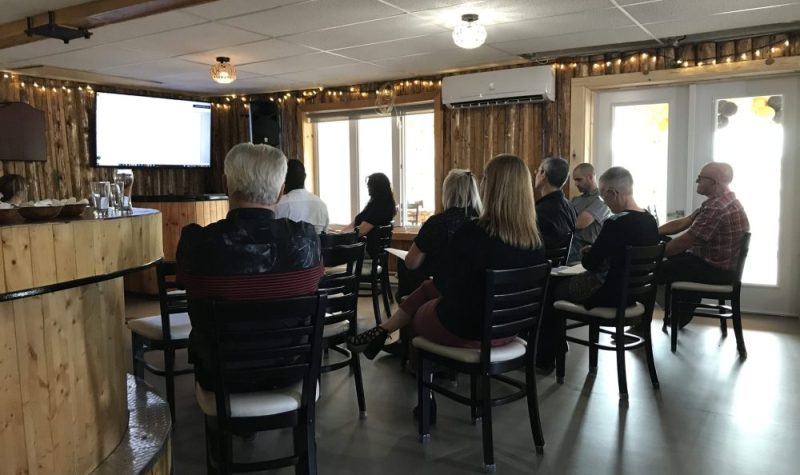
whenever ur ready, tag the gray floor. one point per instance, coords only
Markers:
(713, 414)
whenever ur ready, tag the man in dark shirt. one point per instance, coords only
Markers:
(554, 215)
(249, 255)
(604, 260)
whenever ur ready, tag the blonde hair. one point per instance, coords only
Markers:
(508, 206)
(459, 190)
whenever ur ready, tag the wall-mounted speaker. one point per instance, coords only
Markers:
(265, 123)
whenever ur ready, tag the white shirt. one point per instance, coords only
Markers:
(302, 205)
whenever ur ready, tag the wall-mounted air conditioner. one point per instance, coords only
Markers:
(507, 86)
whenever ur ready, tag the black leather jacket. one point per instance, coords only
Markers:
(248, 241)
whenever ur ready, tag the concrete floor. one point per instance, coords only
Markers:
(713, 414)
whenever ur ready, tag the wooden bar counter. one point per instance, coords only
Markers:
(177, 211)
(63, 387)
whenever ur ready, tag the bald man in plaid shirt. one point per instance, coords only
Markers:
(709, 249)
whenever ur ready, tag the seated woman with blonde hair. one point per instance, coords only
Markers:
(505, 236)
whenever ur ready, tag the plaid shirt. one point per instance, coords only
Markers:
(718, 230)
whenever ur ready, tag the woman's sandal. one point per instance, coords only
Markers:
(369, 342)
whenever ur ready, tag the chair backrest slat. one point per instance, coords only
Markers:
(339, 239)
(513, 303)
(639, 276)
(341, 287)
(558, 255)
(378, 240)
(744, 248)
(172, 297)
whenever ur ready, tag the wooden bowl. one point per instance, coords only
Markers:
(39, 213)
(73, 210)
(9, 216)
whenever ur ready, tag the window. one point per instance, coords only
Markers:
(351, 147)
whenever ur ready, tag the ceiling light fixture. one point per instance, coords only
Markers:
(469, 33)
(223, 72)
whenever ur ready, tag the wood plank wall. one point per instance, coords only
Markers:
(470, 137)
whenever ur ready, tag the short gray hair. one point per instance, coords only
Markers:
(460, 190)
(255, 172)
(618, 178)
(557, 170)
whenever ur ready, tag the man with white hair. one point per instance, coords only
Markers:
(708, 250)
(250, 254)
(604, 260)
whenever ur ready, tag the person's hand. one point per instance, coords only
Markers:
(586, 249)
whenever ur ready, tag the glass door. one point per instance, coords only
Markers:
(752, 126)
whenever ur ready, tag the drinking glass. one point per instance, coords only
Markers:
(101, 195)
(116, 197)
(124, 178)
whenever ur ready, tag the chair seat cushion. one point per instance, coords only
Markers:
(255, 404)
(514, 349)
(334, 329)
(150, 327)
(609, 313)
(700, 287)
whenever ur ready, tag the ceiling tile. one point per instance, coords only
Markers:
(344, 74)
(556, 25)
(492, 12)
(295, 64)
(41, 48)
(664, 29)
(230, 8)
(93, 59)
(693, 10)
(396, 48)
(311, 16)
(144, 26)
(19, 9)
(252, 52)
(573, 40)
(446, 60)
(402, 26)
(161, 68)
(192, 39)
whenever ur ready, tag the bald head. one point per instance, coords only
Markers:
(583, 176)
(583, 169)
(721, 172)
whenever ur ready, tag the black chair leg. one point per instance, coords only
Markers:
(594, 338)
(621, 374)
(385, 278)
(386, 292)
(473, 395)
(648, 348)
(533, 406)
(737, 326)
(355, 365)
(486, 423)
(137, 354)
(376, 308)
(209, 446)
(674, 330)
(561, 352)
(169, 380)
(723, 324)
(305, 448)
(424, 397)
(667, 305)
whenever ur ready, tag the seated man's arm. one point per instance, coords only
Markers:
(677, 225)
(584, 220)
(680, 244)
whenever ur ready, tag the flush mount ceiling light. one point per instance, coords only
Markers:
(469, 33)
(223, 72)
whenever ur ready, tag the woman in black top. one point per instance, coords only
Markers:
(461, 202)
(504, 237)
(380, 208)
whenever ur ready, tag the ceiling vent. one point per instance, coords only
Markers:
(507, 86)
(52, 30)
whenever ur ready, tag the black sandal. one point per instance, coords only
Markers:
(369, 342)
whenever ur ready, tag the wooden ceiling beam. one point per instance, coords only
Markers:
(90, 15)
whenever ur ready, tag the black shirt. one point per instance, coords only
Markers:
(628, 228)
(376, 213)
(471, 251)
(556, 219)
(434, 235)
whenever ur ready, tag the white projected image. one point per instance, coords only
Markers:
(150, 131)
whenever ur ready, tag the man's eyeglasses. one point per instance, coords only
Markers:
(701, 177)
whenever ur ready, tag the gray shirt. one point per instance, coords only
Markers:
(595, 206)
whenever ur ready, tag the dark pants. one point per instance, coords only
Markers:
(689, 267)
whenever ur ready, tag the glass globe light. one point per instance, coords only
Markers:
(469, 34)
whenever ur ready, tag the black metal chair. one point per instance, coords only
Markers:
(167, 332)
(558, 255)
(378, 278)
(343, 239)
(256, 346)
(685, 297)
(639, 283)
(514, 299)
(341, 314)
